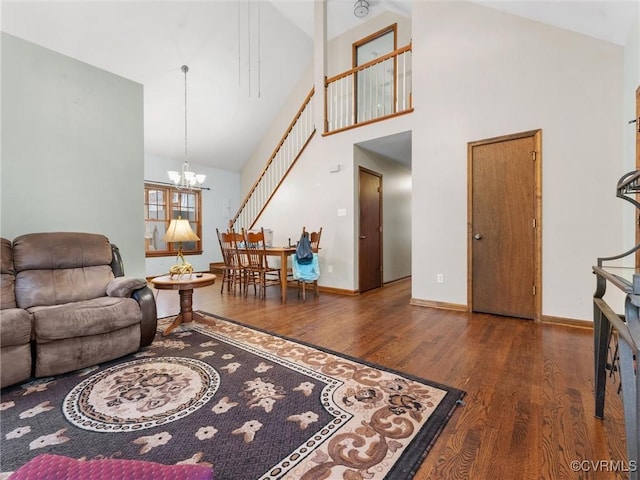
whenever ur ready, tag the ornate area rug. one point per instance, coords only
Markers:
(251, 404)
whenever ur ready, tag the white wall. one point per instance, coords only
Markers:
(339, 49)
(480, 73)
(223, 185)
(72, 149)
(486, 74)
(312, 195)
(338, 60)
(276, 130)
(631, 83)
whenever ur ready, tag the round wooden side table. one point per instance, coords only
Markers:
(185, 285)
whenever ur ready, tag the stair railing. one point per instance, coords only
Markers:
(284, 156)
(370, 92)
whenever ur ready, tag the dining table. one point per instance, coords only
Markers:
(283, 253)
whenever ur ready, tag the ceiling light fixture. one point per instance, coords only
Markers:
(186, 179)
(361, 8)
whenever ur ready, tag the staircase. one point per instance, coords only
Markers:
(283, 158)
(374, 91)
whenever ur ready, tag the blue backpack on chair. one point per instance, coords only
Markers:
(304, 253)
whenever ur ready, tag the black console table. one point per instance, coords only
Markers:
(627, 328)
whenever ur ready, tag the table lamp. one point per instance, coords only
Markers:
(180, 231)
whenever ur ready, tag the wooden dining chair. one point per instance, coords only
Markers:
(314, 238)
(234, 269)
(243, 261)
(258, 272)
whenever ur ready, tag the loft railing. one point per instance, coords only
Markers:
(370, 92)
(284, 156)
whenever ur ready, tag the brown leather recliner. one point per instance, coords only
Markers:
(80, 308)
(15, 325)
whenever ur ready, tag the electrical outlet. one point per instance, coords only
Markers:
(440, 278)
(330, 268)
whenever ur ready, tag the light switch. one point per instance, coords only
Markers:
(342, 212)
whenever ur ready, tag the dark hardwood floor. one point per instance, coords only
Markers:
(529, 403)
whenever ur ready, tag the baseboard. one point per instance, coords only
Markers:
(458, 307)
(395, 280)
(338, 291)
(217, 268)
(571, 322)
(353, 293)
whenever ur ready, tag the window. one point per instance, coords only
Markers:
(375, 85)
(161, 205)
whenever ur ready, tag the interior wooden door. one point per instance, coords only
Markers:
(503, 223)
(370, 235)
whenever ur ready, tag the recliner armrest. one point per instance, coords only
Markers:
(149, 323)
(124, 286)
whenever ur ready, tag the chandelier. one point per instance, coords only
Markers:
(186, 179)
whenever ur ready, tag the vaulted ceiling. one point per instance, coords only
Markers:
(244, 57)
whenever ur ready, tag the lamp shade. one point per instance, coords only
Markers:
(180, 231)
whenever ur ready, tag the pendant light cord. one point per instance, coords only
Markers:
(187, 179)
(185, 69)
(258, 49)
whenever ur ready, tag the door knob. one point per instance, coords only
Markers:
(362, 237)
(477, 236)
